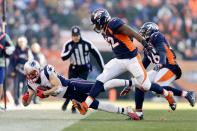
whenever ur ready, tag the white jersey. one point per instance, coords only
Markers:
(44, 82)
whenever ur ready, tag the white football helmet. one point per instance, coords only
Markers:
(32, 71)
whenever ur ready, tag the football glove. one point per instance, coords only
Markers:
(157, 67)
(125, 91)
(40, 93)
(25, 96)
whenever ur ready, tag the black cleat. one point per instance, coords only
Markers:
(64, 107)
(141, 117)
(191, 98)
(171, 100)
(73, 110)
(173, 106)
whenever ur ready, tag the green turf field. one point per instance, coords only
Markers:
(48, 116)
(155, 120)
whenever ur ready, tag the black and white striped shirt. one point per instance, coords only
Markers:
(79, 53)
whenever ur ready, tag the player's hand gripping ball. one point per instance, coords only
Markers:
(40, 92)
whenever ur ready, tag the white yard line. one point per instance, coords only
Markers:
(43, 117)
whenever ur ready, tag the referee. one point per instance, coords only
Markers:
(78, 50)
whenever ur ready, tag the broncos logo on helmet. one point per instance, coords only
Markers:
(99, 18)
(148, 29)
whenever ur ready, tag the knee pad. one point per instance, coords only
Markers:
(102, 78)
(146, 85)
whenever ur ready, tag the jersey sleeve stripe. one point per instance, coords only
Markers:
(167, 76)
(126, 40)
(110, 31)
(170, 55)
(46, 73)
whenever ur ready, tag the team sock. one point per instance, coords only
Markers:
(94, 92)
(139, 98)
(158, 89)
(184, 93)
(175, 91)
(108, 107)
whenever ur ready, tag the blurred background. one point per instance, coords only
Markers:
(48, 23)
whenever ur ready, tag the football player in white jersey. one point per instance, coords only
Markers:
(46, 82)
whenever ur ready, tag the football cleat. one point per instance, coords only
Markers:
(133, 115)
(171, 101)
(64, 107)
(73, 110)
(191, 98)
(80, 107)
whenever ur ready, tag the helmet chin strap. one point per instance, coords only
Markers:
(96, 30)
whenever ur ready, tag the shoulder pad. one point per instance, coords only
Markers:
(157, 37)
(115, 23)
(48, 70)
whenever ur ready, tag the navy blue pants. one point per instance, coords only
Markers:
(20, 79)
(77, 72)
(79, 89)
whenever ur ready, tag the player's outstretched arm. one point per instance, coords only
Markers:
(27, 97)
(56, 85)
(126, 30)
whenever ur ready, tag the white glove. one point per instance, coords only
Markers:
(157, 67)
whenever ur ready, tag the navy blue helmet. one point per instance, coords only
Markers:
(148, 29)
(99, 18)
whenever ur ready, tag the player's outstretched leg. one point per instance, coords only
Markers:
(168, 94)
(139, 99)
(79, 107)
(191, 98)
(189, 95)
(107, 107)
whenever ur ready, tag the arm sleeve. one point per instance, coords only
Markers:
(66, 52)
(158, 41)
(162, 53)
(146, 62)
(97, 55)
